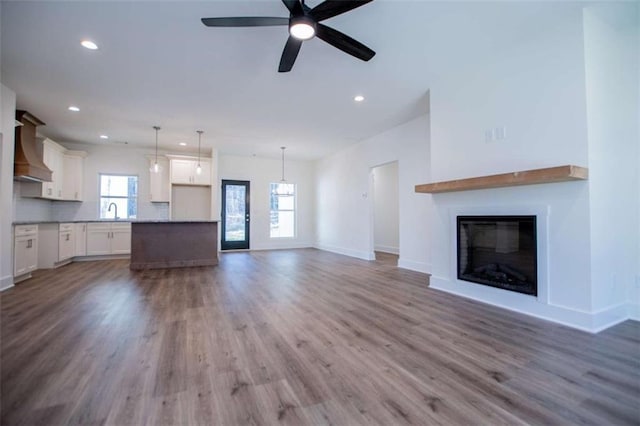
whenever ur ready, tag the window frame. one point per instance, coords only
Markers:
(100, 196)
(294, 210)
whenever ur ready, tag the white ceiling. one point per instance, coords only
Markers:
(158, 65)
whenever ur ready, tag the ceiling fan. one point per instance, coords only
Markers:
(304, 24)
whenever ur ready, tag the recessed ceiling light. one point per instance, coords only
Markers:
(182, 144)
(74, 108)
(89, 44)
(104, 137)
(358, 98)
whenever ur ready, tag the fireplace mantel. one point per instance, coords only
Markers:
(525, 177)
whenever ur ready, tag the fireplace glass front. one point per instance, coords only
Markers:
(498, 251)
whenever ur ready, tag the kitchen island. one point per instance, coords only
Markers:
(173, 244)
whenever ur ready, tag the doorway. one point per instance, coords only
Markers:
(235, 215)
(386, 212)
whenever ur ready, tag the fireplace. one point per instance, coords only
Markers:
(498, 251)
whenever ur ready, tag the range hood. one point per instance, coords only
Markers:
(28, 165)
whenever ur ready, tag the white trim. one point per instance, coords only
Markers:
(633, 311)
(570, 318)
(101, 257)
(347, 252)
(387, 249)
(6, 282)
(592, 322)
(608, 317)
(414, 265)
(283, 245)
(292, 247)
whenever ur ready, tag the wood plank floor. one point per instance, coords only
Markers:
(296, 337)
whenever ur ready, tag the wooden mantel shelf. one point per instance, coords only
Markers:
(526, 177)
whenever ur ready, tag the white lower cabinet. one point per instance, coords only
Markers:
(121, 238)
(80, 232)
(25, 249)
(108, 238)
(66, 241)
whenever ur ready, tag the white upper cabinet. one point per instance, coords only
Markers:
(159, 185)
(203, 178)
(183, 171)
(73, 165)
(53, 157)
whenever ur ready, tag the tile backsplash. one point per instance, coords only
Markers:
(36, 209)
(28, 209)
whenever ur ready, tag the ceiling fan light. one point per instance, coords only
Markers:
(89, 44)
(302, 30)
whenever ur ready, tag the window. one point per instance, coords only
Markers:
(283, 210)
(122, 191)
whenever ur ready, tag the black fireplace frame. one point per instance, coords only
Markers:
(507, 218)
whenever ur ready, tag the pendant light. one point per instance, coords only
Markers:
(156, 166)
(199, 169)
(283, 188)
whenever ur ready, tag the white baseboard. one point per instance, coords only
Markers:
(347, 252)
(103, 257)
(284, 246)
(609, 316)
(414, 265)
(633, 311)
(592, 322)
(6, 282)
(387, 249)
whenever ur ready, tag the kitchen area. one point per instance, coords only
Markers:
(79, 202)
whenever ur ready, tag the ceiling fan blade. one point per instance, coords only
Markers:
(330, 8)
(344, 42)
(289, 54)
(294, 6)
(245, 21)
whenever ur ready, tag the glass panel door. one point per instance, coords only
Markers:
(235, 215)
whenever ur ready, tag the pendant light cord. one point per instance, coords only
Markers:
(199, 139)
(156, 128)
(283, 148)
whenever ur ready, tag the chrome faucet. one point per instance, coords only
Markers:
(116, 207)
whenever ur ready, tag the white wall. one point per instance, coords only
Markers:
(386, 208)
(190, 202)
(261, 172)
(344, 211)
(7, 143)
(30, 209)
(611, 63)
(538, 92)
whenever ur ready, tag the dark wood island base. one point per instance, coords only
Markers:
(156, 245)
